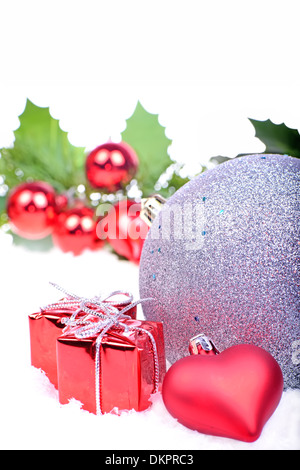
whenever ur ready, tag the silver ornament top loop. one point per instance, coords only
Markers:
(150, 207)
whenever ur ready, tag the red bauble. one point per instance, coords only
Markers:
(232, 394)
(124, 229)
(31, 209)
(75, 230)
(111, 165)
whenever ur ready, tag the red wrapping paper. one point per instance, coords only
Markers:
(45, 327)
(126, 367)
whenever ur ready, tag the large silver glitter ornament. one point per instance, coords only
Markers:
(222, 258)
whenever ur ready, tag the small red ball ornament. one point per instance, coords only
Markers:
(31, 209)
(124, 229)
(231, 394)
(75, 230)
(111, 165)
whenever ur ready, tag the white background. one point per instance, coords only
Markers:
(204, 67)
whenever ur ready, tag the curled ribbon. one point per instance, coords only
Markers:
(100, 319)
(100, 305)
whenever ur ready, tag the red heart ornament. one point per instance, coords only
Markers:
(231, 394)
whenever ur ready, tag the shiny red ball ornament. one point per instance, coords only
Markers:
(124, 229)
(111, 165)
(75, 230)
(231, 394)
(31, 209)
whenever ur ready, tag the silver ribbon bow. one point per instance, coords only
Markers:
(100, 319)
(102, 305)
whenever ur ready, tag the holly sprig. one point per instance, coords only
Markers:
(42, 151)
(277, 138)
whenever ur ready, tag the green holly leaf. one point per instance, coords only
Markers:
(42, 151)
(147, 137)
(3, 215)
(278, 138)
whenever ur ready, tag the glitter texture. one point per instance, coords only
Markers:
(240, 282)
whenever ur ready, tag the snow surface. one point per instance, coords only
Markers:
(31, 416)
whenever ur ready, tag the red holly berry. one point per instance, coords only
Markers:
(124, 229)
(31, 209)
(75, 230)
(111, 165)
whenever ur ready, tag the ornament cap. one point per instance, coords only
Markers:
(151, 206)
(201, 344)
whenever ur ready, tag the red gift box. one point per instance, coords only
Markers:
(131, 366)
(47, 325)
